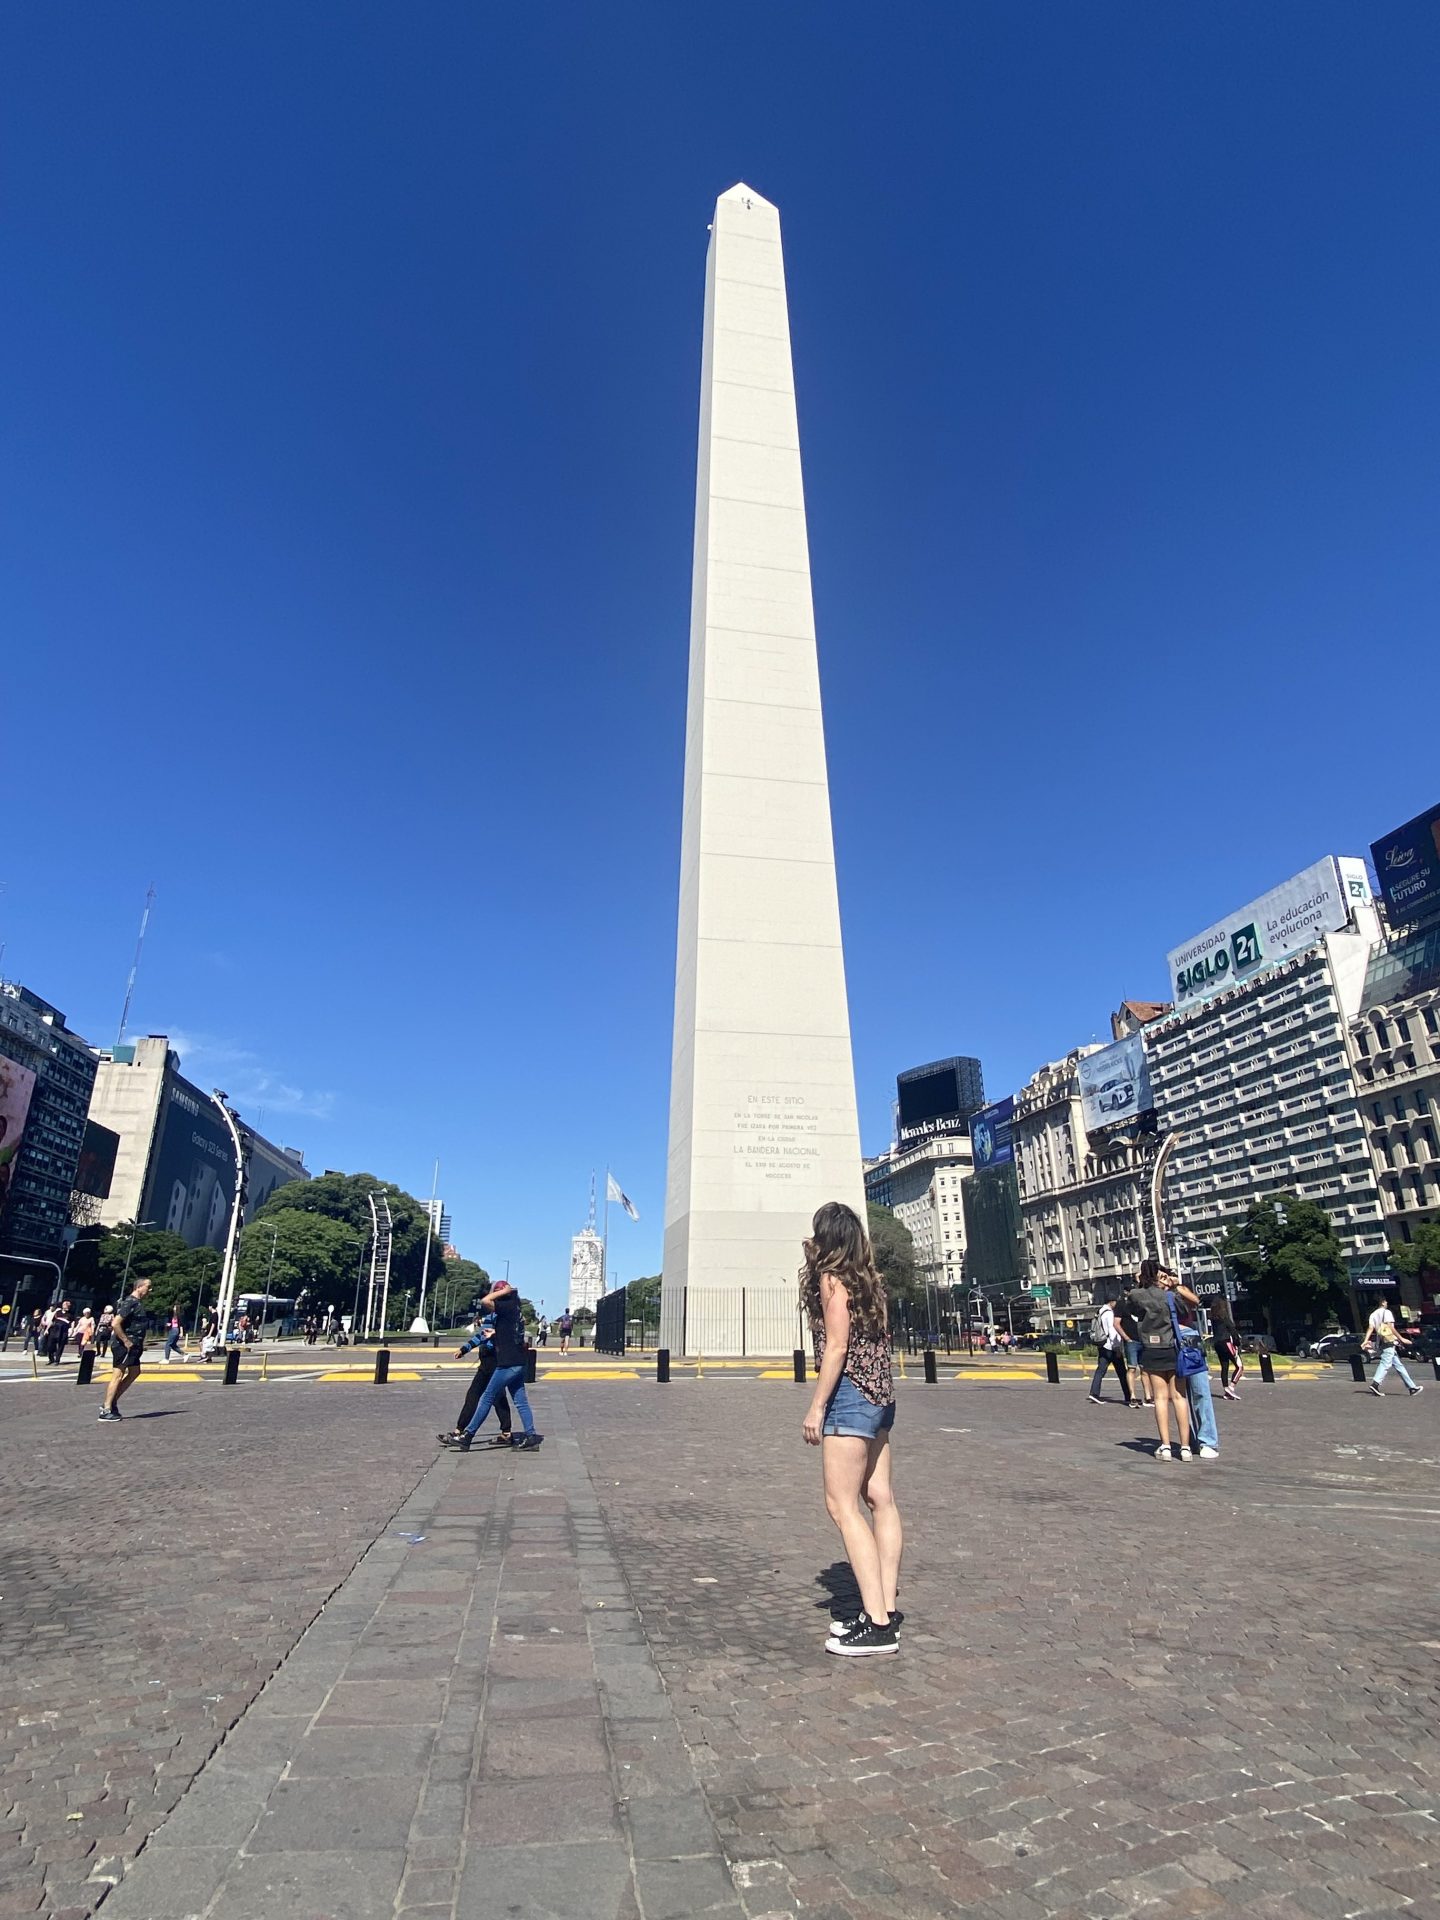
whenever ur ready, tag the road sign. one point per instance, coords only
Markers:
(1039, 1293)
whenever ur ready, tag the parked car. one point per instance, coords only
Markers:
(1334, 1346)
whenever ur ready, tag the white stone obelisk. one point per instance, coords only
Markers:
(763, 1125)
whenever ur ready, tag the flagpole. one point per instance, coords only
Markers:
(605, 1240)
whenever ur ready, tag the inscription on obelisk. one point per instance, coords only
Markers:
(762, 1103)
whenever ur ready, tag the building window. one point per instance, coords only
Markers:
(1362, 1044)
(1382, 1034)
(1402, 1027)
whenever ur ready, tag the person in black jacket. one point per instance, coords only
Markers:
(509, 1374)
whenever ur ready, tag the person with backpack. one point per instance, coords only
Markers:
(1150, 1303)
(1109, 1345)
(1381, 1332)
(565, 1326)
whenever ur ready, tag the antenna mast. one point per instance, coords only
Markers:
(590, 1223)
(135, 965)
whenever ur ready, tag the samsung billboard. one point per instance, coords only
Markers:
(1407, 865)
(1280, 923)
(1115, 1084)
(192, 1167)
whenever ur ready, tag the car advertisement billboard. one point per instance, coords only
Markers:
(1284, 921)
(17, 1083)
(1115, 1084)
(1407, 865)
(990, 1135)
(192, 1168)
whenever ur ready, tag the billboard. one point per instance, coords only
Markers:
(96, 1166)
(1284, 921)
(192, 1168)
(1407, 865)
(937, 1101)
(990, 1133)
(17, 1083)
(1115, 1084)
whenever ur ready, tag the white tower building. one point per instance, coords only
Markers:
(763, 1124)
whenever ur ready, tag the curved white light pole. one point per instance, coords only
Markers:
(232, 1237)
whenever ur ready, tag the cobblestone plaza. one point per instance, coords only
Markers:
(281, 1659)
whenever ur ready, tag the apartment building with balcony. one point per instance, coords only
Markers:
(1257, 1084)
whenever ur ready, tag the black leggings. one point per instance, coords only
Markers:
(472, 1400)
(1110, 1357)
(1229, 1359)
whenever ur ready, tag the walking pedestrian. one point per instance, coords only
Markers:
(1381, 1332)
(509, 1374)
(127, 1347)
(103, 1331)
(1109, 1345)
(85, 1332)
(542, 1332)
(1149, 1304)
(1226, 1342)
(481, 1336)
(851, 1417)
(1130, 1332)
(30, 1326)
(174, 1339)
(564, 1326)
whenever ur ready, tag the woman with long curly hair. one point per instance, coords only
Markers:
(850, 1418)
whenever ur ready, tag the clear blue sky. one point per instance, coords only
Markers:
(352, 355)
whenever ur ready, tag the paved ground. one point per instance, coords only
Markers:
(591, 1681)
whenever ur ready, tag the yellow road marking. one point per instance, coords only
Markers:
(366, 1377)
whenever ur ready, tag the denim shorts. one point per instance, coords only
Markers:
(850, 1413)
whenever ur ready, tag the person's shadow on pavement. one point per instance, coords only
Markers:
(841, 1595)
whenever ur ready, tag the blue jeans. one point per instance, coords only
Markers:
(1202, 1409)
(1388, 1359)
(509, 1380)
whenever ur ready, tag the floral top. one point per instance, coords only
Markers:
(867, 1362)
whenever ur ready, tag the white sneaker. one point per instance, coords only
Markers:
(1163, 1453)
(1209, 1453)
(1185, 1453)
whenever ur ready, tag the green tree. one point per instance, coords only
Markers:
(454, 1288)
(344, 1199)
(894, 1248)
(1286, 1254)
(176, 1272)
(642, 1297)
(1420, 1257)
(292, 1254)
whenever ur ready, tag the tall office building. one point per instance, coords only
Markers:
(46, 1076)
(1252, 1070)
(587, 1269)
(175, 1167)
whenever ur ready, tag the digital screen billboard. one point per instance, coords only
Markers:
(938, 1100)
(17, 1083)
(1407, 865)
(1115, 1084)
(192, 1168)
(990, 1133)
(95, 1168)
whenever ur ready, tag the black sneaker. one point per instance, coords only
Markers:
(107, 1414)
(1379, 1392)
(846, 1623)
(530, 1442)
(459, 1441)
(863, 1638)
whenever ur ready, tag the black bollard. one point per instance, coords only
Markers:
(382, 1366)
(931, 1376)
(1357, 1368)
(87, 1368)
(232, 1366)
(662, 1366)
(1435, 1363)
(530, 1358)
(799, 1366)
(1267, 1370)
(1052, 1368)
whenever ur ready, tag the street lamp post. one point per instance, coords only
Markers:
(270, 1275)
(232, 1237)
(135, 1226)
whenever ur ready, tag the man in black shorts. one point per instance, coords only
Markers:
(127, 1345)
